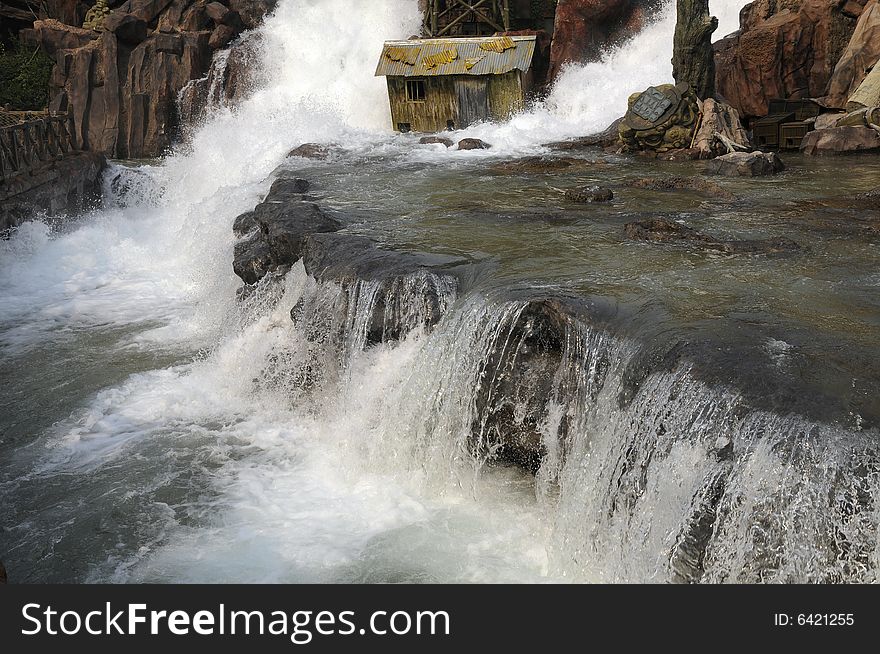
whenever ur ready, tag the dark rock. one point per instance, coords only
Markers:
(3, 577)
(222, 36)
(696, 184)
(252, 258)
(410, 290)
(662, 230)
(216, 12)
(244, 224)
(285, 223)
(746, 164)
(431, 140)
(66, 187)
(128, 28)
(543, 165)
(841, 140)
(289, 186)
(473, 144)
(147, 10)
(310, 151)
(588, 194)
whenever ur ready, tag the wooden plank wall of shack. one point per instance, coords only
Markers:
(506, 95)
(490, 97)
(32, 142)
(431, 115)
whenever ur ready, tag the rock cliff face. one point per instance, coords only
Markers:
(586, 28)
(797, 49)
(121, 84)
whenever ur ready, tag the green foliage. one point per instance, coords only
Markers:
(24, 77)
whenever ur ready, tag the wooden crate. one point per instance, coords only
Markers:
(791, 134)
(766, 130)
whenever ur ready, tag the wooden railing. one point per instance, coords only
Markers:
(30, 140)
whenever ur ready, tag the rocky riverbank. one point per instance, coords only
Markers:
(64, 187)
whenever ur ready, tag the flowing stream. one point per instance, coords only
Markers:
(155, 427)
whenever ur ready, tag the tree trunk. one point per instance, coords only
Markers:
(693, 59)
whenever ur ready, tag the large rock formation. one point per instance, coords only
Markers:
(121, 84)
(860, 56)
(584, 29)
(785, 49)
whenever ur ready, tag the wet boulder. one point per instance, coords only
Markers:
(694, 184)
(396, 292)
(746, 164)
(271, 236)
(310, 151)
(841, 140)
(252, 258)
(473, 144)
(284, 224)
(286, 187)
(663, 230)
(589, 194)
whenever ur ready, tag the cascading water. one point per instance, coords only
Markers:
(158, 428)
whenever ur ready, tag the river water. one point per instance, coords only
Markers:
(154, 428)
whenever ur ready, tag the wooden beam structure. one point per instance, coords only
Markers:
(448, 17)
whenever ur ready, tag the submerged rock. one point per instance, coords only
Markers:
(696, 184)
(841, 140)
(539, 165)
(473, 144)
(310, 151)
(589, 194)
(746, 164)
(434, 140)
(3, 578)
(662, 230)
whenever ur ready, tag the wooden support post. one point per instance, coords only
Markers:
(505, 15)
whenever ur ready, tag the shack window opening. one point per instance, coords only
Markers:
(404, 127)
(415, 90)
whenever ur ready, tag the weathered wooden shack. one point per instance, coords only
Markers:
(438, 84)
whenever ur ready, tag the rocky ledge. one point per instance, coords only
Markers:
(67, 186)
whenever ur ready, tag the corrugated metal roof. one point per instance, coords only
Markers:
(468, 56)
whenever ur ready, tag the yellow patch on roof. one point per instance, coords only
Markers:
(408, 56)
(499, 44)
(440, 59)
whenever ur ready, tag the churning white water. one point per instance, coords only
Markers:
(224, 468)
